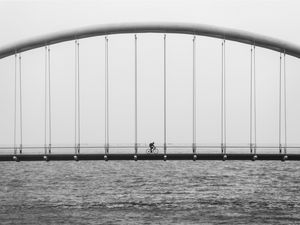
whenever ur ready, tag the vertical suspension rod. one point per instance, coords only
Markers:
(75, 138)
(78, 98)
(49, 96)
(165, 96)
(254, 96)
(194, 95)
(251, 97)
(252, 102)
(223, 101)
(285, 106)
(21, 122)
(279, 134)
(15, 107)
(135, 94)
(224, 71)
(106, 98)
(45, 106)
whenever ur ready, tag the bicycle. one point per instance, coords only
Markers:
(152, 151)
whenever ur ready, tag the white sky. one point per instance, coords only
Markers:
(20, 20)
(275, 18)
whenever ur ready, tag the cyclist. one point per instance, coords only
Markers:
(151, 146)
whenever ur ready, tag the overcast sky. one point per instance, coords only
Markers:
(20, 20)
(27, 18)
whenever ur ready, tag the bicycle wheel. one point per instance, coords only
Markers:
(148, 151)
(155, 151)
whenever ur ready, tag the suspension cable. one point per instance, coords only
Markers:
(105, 125)
(251, 98)
(225, 139)
(49, 89)
(106, 98)
(135, 93)
(107, 95)
(254, 86)
(223, 101)
(15, 107)
(194, 94)
(285, 110)
(222, 98)
(21, 122)
(165, 94)
(279, 104)
(78, 97)
(45, 112)
(75, 144)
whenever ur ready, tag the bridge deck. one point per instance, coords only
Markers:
(65, 157)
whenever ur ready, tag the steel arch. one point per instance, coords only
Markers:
(163, 27)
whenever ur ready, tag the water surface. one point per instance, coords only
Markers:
(150, 192)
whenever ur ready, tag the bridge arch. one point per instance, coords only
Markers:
(284, 48)
(182, 28)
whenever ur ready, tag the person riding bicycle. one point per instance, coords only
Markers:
(152, 146)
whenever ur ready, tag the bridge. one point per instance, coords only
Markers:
(18, 151)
